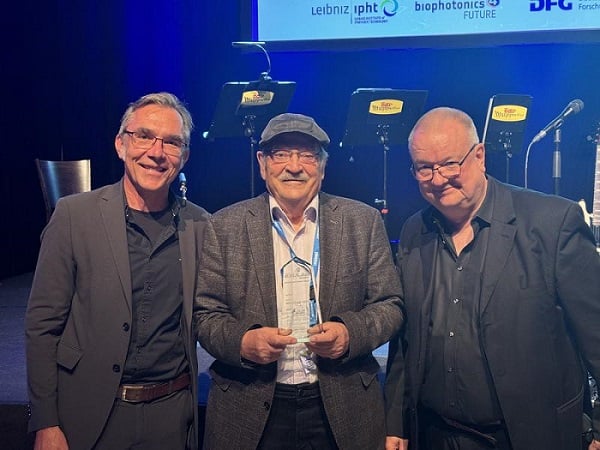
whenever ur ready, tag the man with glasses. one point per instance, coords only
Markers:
(111, 355)
(502, 294)
(297, 288)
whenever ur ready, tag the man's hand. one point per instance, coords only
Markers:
(265, 345)
(594, 445)
(396, 443)
(51, 438)
(329, 340)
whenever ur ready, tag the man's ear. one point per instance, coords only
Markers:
(119, 147)
(480, 155)
(261, 157)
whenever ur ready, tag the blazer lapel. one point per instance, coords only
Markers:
(500, 244)
(429, 241)
(416, 257)
(113, 218)
(421, 263)
(187, 250)
(260, 242)
(330, 231)
(428, 247)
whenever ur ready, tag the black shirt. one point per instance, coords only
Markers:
(156, 350)
(458, 384)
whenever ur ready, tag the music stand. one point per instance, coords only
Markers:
(382, 117)
(244, 107)
(505, 125)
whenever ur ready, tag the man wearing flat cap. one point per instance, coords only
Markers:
(296, 289)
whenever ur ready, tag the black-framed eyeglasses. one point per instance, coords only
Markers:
(304, 157)
(448, 170)
(173, 146)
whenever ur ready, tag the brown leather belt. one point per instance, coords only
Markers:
(136, 393)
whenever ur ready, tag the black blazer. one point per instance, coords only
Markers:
(80, 301)
(539, 317)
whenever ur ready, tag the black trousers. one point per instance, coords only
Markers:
(161, 424)
(297, 420)
(435, 433)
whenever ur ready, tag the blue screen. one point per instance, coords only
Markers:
(328, 20)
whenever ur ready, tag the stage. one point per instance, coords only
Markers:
(14, 293)
(13, 385)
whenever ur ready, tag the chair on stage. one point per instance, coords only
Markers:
(60, 178)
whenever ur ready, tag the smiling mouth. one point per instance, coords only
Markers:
(154, 169)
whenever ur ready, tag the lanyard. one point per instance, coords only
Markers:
(314, 310)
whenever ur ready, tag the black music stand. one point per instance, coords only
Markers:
(382, 117)
(245, 107)
(505, 125)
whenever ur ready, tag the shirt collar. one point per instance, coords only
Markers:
(174, 204)
(310, 212)
(434, 218)
(484, 214)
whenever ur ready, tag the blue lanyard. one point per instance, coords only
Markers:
(312, 301)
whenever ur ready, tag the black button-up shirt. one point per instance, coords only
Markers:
(156, 350)
(458, 384)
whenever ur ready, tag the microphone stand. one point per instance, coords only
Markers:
(505, 139)
(249, 132)
(556, 160)
(383, 133)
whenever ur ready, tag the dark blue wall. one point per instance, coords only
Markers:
(70, 69)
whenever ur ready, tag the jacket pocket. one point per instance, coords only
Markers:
(219, 381)
(369, 371)
(367, 378)
(68, 357)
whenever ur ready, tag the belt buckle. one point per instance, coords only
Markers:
(126, 390)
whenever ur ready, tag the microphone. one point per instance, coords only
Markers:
(573, 107)
(183, 186)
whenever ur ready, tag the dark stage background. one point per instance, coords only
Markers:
(69, 70)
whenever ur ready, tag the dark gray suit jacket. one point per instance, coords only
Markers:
(539, 317)
(358, 285)
(79, 312)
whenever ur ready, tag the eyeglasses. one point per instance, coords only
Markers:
(449, 170)
(304, 157)
(173, 146)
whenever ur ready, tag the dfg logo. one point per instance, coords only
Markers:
(540, 5)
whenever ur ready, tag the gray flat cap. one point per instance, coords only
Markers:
(290, 123)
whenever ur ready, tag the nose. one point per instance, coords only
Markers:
(293, 165)
(438, 179)
(157, 149)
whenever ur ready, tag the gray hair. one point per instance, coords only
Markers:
(323, 157)
(164, 99)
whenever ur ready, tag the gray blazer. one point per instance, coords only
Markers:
(539, 318)
(358, 285)
(80, 307)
